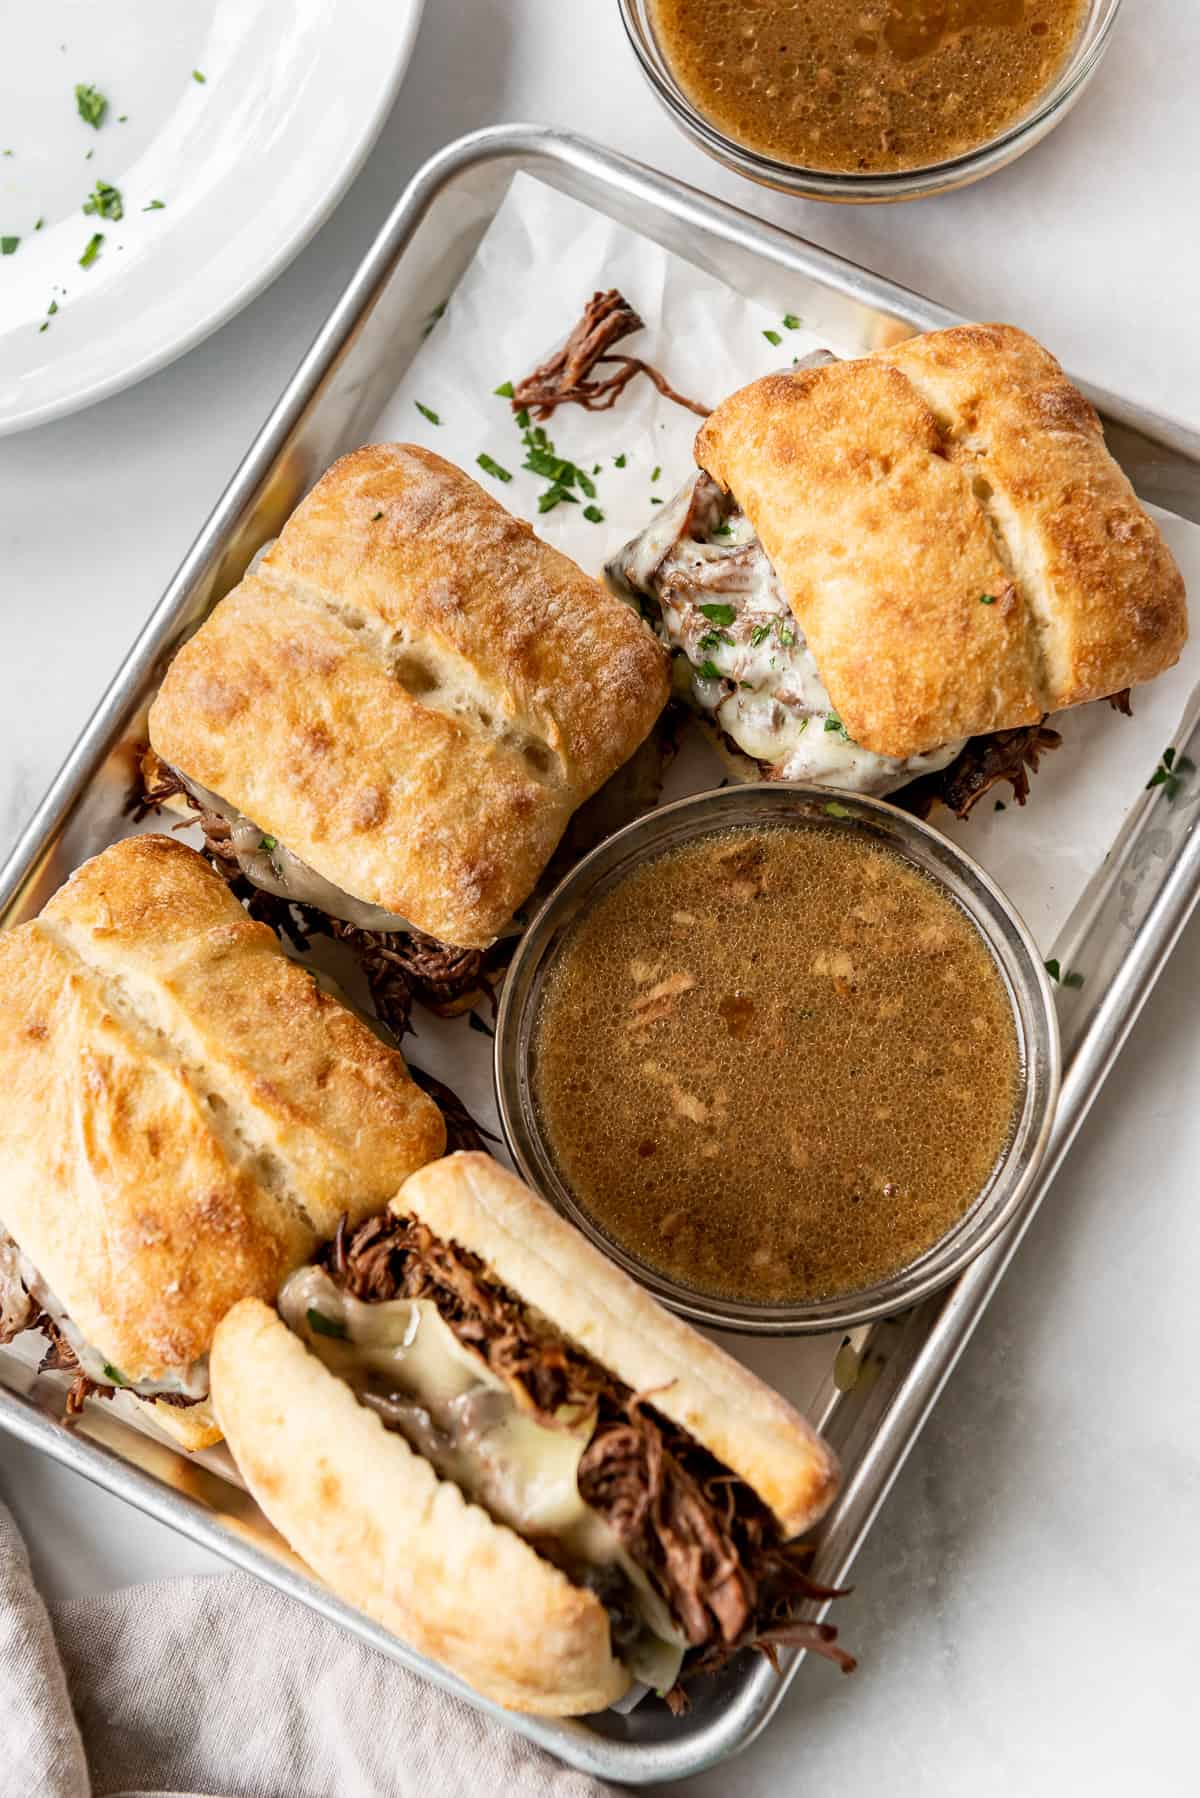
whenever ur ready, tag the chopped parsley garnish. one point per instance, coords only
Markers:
(656, 474)
(504, 392)
(376, 516)
(432, 320)
(999, 806)
(105, 199)
(1052, 968)
(987, 599)
(834, 723)
(51, 309)
(493, 468)
(595, 468)
(708, 670)
(655, 502)
(773, 337)
(154, 206)
(320, 1325)
(719, 614)
(1074, 978)
(554, 496)
(197, 76)
(712, 639)
(593, 514)
(722, 530)
(619, 461)
(836, 810)
(586, 483)
(93, 250)
(268, 843)
(551, 467)
(759, 634)
(91, 104)
(114, 1374)
(521, 419)
(8, 245)
(481, 1024)
(1171, 774)
(785, 633)
(790, 322)
(427, 412)
(39, 224)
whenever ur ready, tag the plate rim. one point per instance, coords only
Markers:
(106, 386)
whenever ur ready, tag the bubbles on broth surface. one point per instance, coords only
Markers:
(776, 1063)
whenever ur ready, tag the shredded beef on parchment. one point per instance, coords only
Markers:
(707, 1543)
(567, 377)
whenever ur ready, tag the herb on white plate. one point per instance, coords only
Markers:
(105, 199)
(93, 250)
(91, 104)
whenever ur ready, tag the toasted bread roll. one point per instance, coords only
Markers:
(959, 548)
(375, 1521)
(412, 693)
(184, 1113)
(469, 1370)
(471, 1200)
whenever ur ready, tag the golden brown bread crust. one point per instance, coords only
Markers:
(471, 1200)
(958, 546)
(373, 1520)
(183, 1112)
(413, 693)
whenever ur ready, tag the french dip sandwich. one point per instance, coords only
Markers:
(392, 719)
(184, 1115)
(474, 1426)
(893, 569)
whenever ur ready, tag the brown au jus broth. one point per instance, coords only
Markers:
(776, 1063)
(865, 86)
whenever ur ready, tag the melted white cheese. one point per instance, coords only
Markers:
(404, 1362)
(753, 673)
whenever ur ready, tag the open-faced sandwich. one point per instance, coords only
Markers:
(392, 719)
(478, 1429)
(893, 570)
(184, 1115)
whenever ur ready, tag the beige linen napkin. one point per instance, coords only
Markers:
(222, 1686)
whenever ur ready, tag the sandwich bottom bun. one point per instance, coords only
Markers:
(373, 1519)
(191, 1426)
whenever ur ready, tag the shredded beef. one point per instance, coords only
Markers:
(707, 1543)
(566, 376)
(1004, 755)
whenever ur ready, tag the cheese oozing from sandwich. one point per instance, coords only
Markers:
(405, 1363)
(742, 658)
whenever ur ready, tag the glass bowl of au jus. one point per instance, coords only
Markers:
(788, 1056)
(876, 100)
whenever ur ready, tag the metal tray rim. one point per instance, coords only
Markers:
(1092, 1052)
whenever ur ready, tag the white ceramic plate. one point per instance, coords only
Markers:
(248, 164)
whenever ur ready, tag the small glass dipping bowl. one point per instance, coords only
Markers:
(900, 184)
(1013, 953)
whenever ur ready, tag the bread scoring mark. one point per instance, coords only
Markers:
(237, 1131)
(962, 445)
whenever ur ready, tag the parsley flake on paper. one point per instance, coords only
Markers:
(492, 467)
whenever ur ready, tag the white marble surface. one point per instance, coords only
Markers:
(1026, 1608)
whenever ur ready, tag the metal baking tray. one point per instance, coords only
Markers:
(1121, 932)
